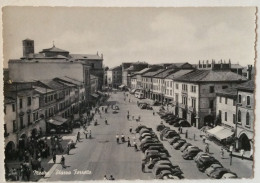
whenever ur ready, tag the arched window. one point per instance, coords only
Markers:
(247, 119)
(239, 116)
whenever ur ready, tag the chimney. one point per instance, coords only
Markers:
(249, 72)
(229, 61)
(221, 64)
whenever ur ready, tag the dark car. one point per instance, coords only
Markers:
(168, 120)
(158, 168)
(184, 147)
(160, 149)
(160, 127)
(148, 153)
(145, 130)
(174, 140)
(148, 141)
(156, 103)
(191, 153)
(219, 172)
(145, 146)
(165, 115)
(172, 122)
(212, 168)
(179, 143)
(171, 134)
(139, 128)
(205, 161)
(149, 107)
(182, 123)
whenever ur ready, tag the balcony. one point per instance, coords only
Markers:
(184, 92)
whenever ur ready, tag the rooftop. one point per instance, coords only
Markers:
(42, 90)
(249, 86)
(165, 73)
(150, 74)
(70, 80)
(86, 57)
(231, 92)
(54, 49)
(211, 76)
(143, 71)
(178, 74)
(52, 84)
(116, 68)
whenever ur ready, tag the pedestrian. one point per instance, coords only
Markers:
(222, 153)
(106, 121)
(111, 177)
(63, 161)
(139, 118)
(133, 117)
(128, 112)
(105, 177)
(181, 129)
(186, 134)
(90, 136)
(143, 166)
(130, 129)
(128, 142)
(117, 138)
(68, 149)
(153, 113)
(135, 145)
(54, 158)
(127, 117)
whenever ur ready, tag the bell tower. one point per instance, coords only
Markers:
(28, 47)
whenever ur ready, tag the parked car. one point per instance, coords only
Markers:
(171, 134)
(160, 149)
(205, 161)
(172, 122)
(177, 145)
(165, 115)
(167, 162)
(184, 147)
(145, 146)
(157, 170)
(190, 153)
(182, 123)
(230, 175)
(154, 152)
(156, 103)
(139, 128)
(160, 127)
(145, 130)
(174, 140)
(165, 130)
(151, 162)
(149, 107)
(212, 168)
(219, 172)
(170, 176)
(199, 155)
(148, 141)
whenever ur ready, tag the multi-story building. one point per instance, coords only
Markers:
(114, 76)
(245, 115)
(147, 82)
(169, 84)
(133, 82)
(195, 94)
(127, 73)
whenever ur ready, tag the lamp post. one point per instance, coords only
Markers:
(230, 150)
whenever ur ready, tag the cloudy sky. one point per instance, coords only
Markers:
(154, 35)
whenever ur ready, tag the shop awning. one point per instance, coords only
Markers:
(215, 130)
(57, 120)
(220, 132)
(223, 134)
(94, 95)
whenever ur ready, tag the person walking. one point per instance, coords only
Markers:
(128, 142)
(54, 158)
(117, 138)
(180, 129)
(106, 121)
(153, 113)
(127, 117)
(105, 177)
(139, 118)
(186, 134)
(63, 161)
(204, 139)
(222, 153)
(135, 145)
(130, 129)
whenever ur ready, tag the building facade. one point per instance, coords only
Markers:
(114, 76)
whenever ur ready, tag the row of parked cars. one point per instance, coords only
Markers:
(204, 161)
(173, 120)
(156, 157)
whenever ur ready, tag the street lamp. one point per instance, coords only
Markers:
(231, 151)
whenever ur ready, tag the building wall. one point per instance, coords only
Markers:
(169, 88)
(229, 108)
(9, 117)
(133, 83)
(25, 71)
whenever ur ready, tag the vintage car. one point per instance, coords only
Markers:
(185, 146)
(190, 153)
(212, 168)
(205, 161)
(177, 145)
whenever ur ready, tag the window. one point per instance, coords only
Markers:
(193, 89)
(211, 104)
(225, 116)
(34, 116)
(29, 101)
(220, 99)
(14, 126)
(13, 107)
(46, 100)
(239, 98)
(226, 100)
(171, 92)
(247, 119)
(177, 86)
(224, 87)
(220, 113)
(46, 113)
(248, 100)
(171, 84)
(234, 102)
(21, 103)
(193, 102)
(29, 119)
(184, 100)
(234, 118)
(21, 122)
(211, 89)
(239, 116)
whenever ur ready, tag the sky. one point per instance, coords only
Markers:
(153, 35)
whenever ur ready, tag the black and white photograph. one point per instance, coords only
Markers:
(128, 93)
